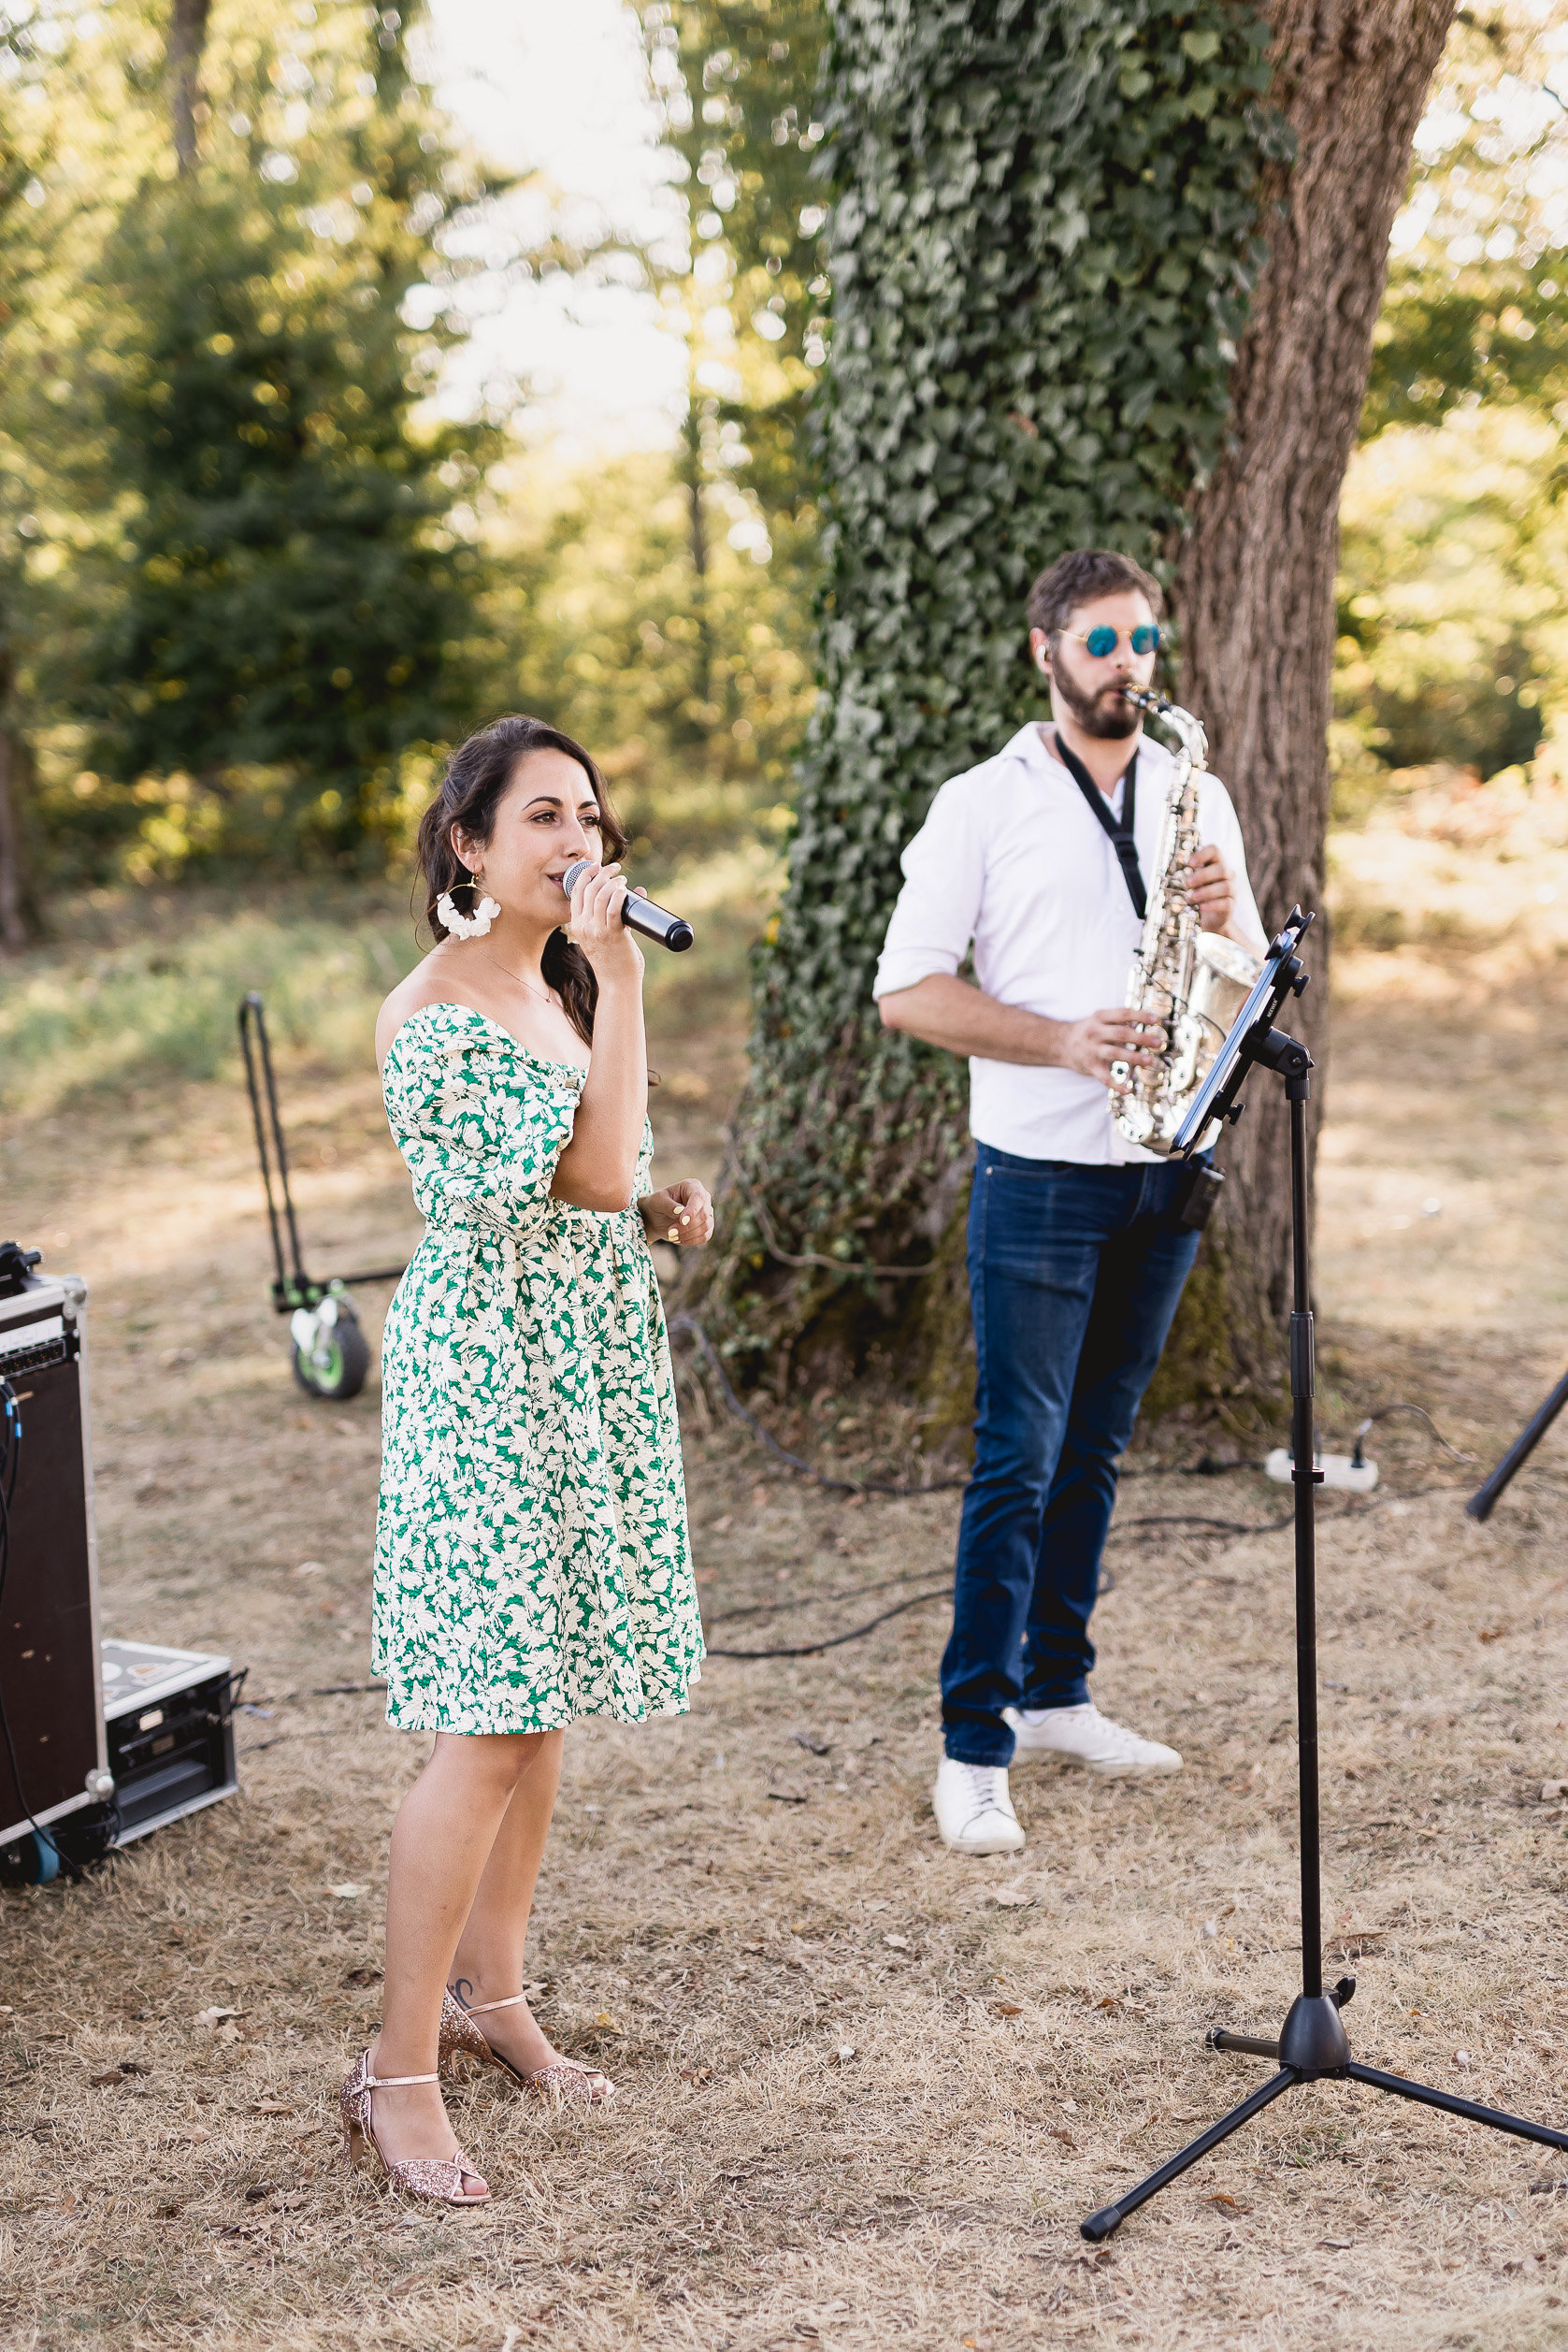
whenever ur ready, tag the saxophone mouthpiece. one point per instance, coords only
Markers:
(1144, 699)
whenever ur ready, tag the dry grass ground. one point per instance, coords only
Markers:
(867, 2089)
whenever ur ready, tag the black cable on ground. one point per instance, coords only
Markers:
(809, 1600)
(683, 1323)
(1401, 1407)
(814, 1649)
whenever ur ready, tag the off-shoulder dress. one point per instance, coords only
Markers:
(532, 1562)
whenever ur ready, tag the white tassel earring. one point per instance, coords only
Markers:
(472, 926)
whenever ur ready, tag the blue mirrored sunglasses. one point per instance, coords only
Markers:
(1102, 641)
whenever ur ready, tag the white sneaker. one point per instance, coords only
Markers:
(1082, 1734)
(974, 1812)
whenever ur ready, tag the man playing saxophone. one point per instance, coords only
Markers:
(1077, 1251)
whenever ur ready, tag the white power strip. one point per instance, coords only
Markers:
(1338, 1470)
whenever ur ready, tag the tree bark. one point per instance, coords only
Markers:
(985, 411)
(1255, 584)
(187, 39)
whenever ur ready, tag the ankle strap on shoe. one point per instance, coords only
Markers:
(480, 2008)
(392, 2082)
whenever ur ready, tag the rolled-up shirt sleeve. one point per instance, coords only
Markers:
(934, 920)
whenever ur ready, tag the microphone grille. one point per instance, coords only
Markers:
(574, 874)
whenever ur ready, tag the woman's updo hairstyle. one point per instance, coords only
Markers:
(476, 780)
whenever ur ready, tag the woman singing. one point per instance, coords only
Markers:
(532, 1565)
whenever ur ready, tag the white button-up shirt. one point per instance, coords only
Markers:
(1012, 860)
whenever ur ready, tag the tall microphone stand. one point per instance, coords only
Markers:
(1312, 2045)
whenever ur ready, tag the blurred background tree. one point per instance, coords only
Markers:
(252, 546)
(292, 564)
(1453, 634)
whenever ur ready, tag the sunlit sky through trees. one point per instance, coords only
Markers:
(561, 92)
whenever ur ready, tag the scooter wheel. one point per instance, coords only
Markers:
(337, 1365)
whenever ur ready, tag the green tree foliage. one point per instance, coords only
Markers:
(661, 607)
(595, 592)
(738, 79)
(1452, 644)
(1477, 299)
(1454, 636)
(286, 555)
(1043, 239)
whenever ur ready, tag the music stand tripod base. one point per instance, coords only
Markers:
(1313, 2045)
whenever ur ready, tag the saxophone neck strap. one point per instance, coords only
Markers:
(1118, 831)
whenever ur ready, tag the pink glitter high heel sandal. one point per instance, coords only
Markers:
(564, 2078)
(439, 2178)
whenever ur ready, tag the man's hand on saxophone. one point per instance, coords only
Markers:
(944, 1010)
(1211, 887)
(1107, 1045)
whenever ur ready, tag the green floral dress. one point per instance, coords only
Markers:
(532, 1563)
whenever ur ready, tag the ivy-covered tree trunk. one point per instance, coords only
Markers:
(1048, 227)
(1042, 239)
(1255, 584)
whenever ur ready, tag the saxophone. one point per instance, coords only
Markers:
(1187, 984)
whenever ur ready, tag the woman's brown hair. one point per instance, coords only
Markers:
(476, 779)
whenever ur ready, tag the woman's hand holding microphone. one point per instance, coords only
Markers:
(596, 926)
(681, 1212)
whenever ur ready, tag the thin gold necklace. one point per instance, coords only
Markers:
(543, 993)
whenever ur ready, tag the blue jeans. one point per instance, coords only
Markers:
(1074, 1274)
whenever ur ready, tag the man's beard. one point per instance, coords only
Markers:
(1108, 713)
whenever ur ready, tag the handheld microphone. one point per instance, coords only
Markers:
(640, 915)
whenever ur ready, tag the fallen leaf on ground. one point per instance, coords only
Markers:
(1336, 2245)
(100, 2081)
(273, 2107)
(1012, 1898)
(844, 2054)
(899, 1943)
(216, 2016)
(1552, 1790)
(1007, 2009)
(1228, 2204)
(346, 1893)
(812, 1747)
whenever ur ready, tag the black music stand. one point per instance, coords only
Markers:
(1312, 2043)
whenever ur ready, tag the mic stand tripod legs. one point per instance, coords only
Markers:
(1311, 2044)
